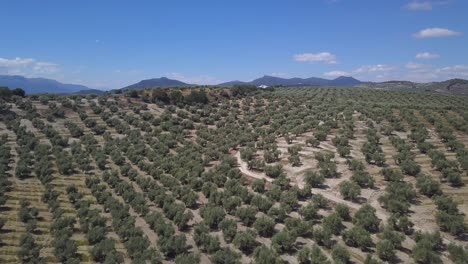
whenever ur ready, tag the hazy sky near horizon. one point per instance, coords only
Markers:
(110, 44)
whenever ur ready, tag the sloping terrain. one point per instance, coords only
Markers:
(154, 83)
(290, 175)
(313, 81)
(453, 86)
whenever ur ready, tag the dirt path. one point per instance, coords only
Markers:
(245, 170)
(327, 193)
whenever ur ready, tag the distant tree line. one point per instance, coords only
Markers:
(6, 93)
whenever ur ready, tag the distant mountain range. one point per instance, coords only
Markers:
(42, 85)
(313, 81)
(450, 87)
(453, 86)
(265, 80)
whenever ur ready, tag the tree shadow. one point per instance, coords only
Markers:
(5, 208)
(323, 186)
(369, 249)
(39, 232)
(463, 237)
(395, 259)
(360, 200)
(416, 202)
(5, 230)
(405, 250)
(196, 206)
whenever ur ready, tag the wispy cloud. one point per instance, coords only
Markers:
(15, 63)
(456, 71)
(436, 32)
(374, 68)
(200, 79)
(45, 68)
(426, 72)
(27, 66)
(427, 55)
(411, 71)
(280, 74)
(335, 74)
(417, 67)
(419, 5)
(367, 72)
(321, 57)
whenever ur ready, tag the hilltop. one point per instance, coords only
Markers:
(155, 83)
(312, 81)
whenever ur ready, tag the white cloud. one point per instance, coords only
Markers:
(280, 74)
(456, 71)
(427, 55)
(417, 5)
(367, 72)
(436, 33)
(45, 68)
(418, 67)
(374, 68)
(412, 65)
(427, 73)
(324, 57)
(411, 71)
(335, 74)
(16, 62)
(27, 67)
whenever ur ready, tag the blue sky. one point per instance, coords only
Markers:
(110, 44)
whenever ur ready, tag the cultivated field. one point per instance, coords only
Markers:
(240, 175)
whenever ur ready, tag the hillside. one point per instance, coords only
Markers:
(155, 83)
(453, 86)
(313, 81)
(90, 91)
(232, 83)
(43, 85)
(288, 175)
(40, 85)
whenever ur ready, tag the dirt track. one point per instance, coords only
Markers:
(325, 192)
